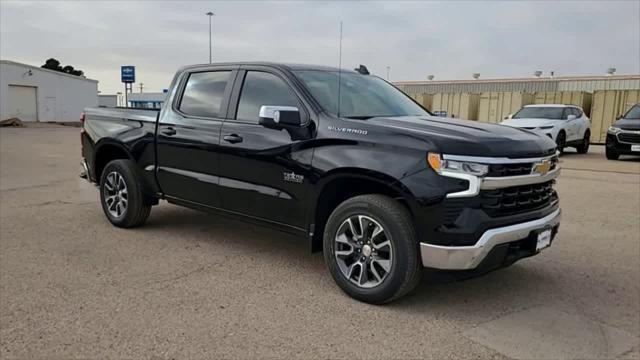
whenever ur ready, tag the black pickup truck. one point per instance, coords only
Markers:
(342, 158)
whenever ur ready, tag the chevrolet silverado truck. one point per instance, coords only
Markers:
(341, 158)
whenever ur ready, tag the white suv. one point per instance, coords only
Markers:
(567, 125)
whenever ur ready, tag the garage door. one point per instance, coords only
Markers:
(22, 103)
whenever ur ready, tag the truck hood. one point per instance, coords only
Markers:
(529, 122)
(471, 138)
(628, 124)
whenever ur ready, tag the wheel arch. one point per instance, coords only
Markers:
(106, 151)
(340, 185)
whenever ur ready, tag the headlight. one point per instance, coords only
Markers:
(614, 130)
(439, 165)
(546, 127)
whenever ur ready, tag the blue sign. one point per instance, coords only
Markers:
(128, 74)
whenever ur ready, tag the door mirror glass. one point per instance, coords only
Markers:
(571, 117)
(282, 116)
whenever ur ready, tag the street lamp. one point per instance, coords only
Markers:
(210, 14)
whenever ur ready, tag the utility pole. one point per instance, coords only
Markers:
(141, 86)
(210, 14)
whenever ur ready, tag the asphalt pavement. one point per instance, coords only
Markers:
(194, 285)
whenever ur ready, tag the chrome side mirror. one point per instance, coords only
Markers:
(279, 115)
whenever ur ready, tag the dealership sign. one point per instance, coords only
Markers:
(128, 74)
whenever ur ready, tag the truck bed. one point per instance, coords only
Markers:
(122, 113)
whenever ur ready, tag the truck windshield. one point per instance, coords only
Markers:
(634, 113)
(540, 112)
(362, 96)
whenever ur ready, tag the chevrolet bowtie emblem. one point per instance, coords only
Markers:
(542, 168)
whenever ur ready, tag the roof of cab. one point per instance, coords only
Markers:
(285, 66)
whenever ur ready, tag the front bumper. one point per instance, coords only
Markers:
(613, 142)
(470, 257)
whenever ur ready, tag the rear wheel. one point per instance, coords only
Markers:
(561, 141)
(612, 154)
(583, 148)
(371, 250)
(121, 195)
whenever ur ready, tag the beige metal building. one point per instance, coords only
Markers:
(567, 83)
(603, 98)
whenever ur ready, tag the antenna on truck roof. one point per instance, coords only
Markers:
(340, 69)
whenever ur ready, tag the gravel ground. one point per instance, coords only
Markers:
(193, 285)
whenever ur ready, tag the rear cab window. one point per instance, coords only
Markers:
(203, 94)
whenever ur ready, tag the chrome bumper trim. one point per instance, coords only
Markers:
(469, 257)
(477, 183)
(491, 183)
(497, 160)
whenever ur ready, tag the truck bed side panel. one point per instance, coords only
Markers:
(128, 130)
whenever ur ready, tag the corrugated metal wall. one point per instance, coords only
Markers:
(426, 100)
(465, 87)
(588, 84)
(594, 85)
(458, 105)
(496, 106)
(578, 98)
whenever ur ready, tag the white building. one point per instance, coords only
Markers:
(150, 100)
(31, 93)
(107, 100)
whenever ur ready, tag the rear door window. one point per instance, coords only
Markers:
(203, 94)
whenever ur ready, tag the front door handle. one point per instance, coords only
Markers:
(233, 138)
(169, 131)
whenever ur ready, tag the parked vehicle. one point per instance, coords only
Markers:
(567, 125)
(374, 181)
(623, 136)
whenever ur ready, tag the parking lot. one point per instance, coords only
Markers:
(190, 284)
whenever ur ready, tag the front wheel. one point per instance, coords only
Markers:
(612, 154)
(561, 141)
(121, 195)
(583, 148)
(371, 250)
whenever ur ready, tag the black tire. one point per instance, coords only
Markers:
(406, 268)
(561, 141)
(612, 154)
(583, 148)
(136, 211)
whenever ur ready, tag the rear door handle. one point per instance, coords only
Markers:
(169, 131)
(233, 138)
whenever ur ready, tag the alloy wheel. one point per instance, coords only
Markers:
(115, 194)
(363, 251)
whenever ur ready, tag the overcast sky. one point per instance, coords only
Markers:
(451, 40)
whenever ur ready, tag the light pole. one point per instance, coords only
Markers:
(210, 14)
(388, 68)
